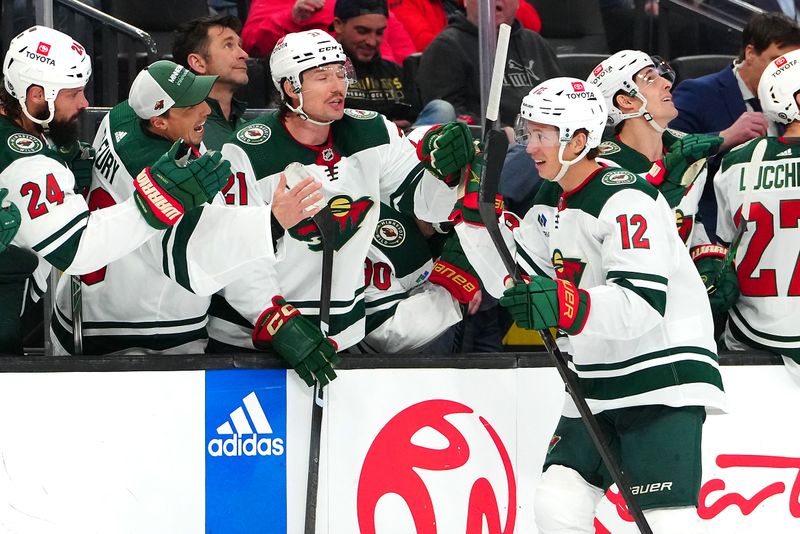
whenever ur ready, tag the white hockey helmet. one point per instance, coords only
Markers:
(570, 105)
(778, 86)
(46, 57)
(617, 73)
(297, 52)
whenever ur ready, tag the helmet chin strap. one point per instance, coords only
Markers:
(646, 114)
(565, 165)
(302, 114)
(45, 124)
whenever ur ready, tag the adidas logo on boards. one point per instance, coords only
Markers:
(243, 440)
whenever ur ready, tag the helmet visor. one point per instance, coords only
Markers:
(342, 71)
(660, 69)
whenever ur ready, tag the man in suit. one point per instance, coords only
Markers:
(726, 102)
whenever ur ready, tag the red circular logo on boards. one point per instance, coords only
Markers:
(417, 446)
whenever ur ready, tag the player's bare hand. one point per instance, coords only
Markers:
(475, 303)
(305, 9)
(749, 125)
(292, 206)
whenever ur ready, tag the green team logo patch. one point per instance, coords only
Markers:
(360, 114)
(608, 147)
(390, 233)
(619, 178)
(254, 134)
(24, 143)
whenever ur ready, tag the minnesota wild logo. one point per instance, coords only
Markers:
(685, 223)
(348, 213)
(608, 147)
(568, 268)
(254, 134)
(24, 143)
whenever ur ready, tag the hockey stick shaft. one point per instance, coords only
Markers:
(325, 222)
(486, 208)
(77, 314)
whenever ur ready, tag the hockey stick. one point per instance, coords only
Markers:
(77, 314)
(327, 229)
(486, 208)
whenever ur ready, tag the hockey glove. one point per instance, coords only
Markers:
(446, 149)
(544, 303)
(282, 329)
(720, 280)
(9, 220)
(682, 154)
(79, 158)
(454, 273)
(466, 208)
(174, 185)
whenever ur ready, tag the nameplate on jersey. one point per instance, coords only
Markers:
(254, 134)
(619, 178)
(24, 143)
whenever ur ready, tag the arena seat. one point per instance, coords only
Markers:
(572, 26)
(579, 65)
(688, 67)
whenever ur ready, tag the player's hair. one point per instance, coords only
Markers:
(10, 106)
(764, 29)
(192, 37)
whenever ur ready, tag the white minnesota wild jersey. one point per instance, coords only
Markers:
(405, 312)
(56, 223)
(648, 337)
(767, 260)
(366, 161)
(130, 306)
(615, 153)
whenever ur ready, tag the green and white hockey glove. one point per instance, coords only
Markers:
(453, 272)
(283, 330)
(79, 158)
(9, 220)
(544, 303)
(720, 280)
(446, 149)
(175, 184)
(683, 162)
(466, 208)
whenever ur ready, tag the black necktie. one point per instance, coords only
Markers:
(754, 103)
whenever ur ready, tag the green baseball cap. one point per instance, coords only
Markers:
(164, 85)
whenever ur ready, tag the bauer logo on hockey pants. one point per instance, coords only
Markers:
(245, 444)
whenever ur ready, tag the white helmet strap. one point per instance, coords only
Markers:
(302, 114)
(642, 112)
(565, 165)
(43, 123)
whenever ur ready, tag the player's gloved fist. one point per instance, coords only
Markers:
(720, 280)
(544, 303)
(9, 220)
(446, 149)
(466, 208)
(175, 184)
(282, 329)
(453, 272)
(79, 158)
(682, 155)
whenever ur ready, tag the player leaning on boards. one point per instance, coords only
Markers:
(130, 306)
(767, 170)
(609, 270)
(637, 89)
(360, 159)
(44, 73)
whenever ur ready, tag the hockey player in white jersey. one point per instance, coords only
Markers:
(130, 306)
(621, 286)
(766, 172)
(360, 159)
(637, 89)
(44, 74)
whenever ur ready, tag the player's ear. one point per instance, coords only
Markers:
(159, 123)
(578, 141)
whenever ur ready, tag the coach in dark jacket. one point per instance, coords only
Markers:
(450, 70)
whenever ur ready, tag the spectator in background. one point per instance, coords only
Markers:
(787, 7)
(212, 46)
(425, 19)
(269, 20)
(726, 102)
(379, 85)
(449, 66)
